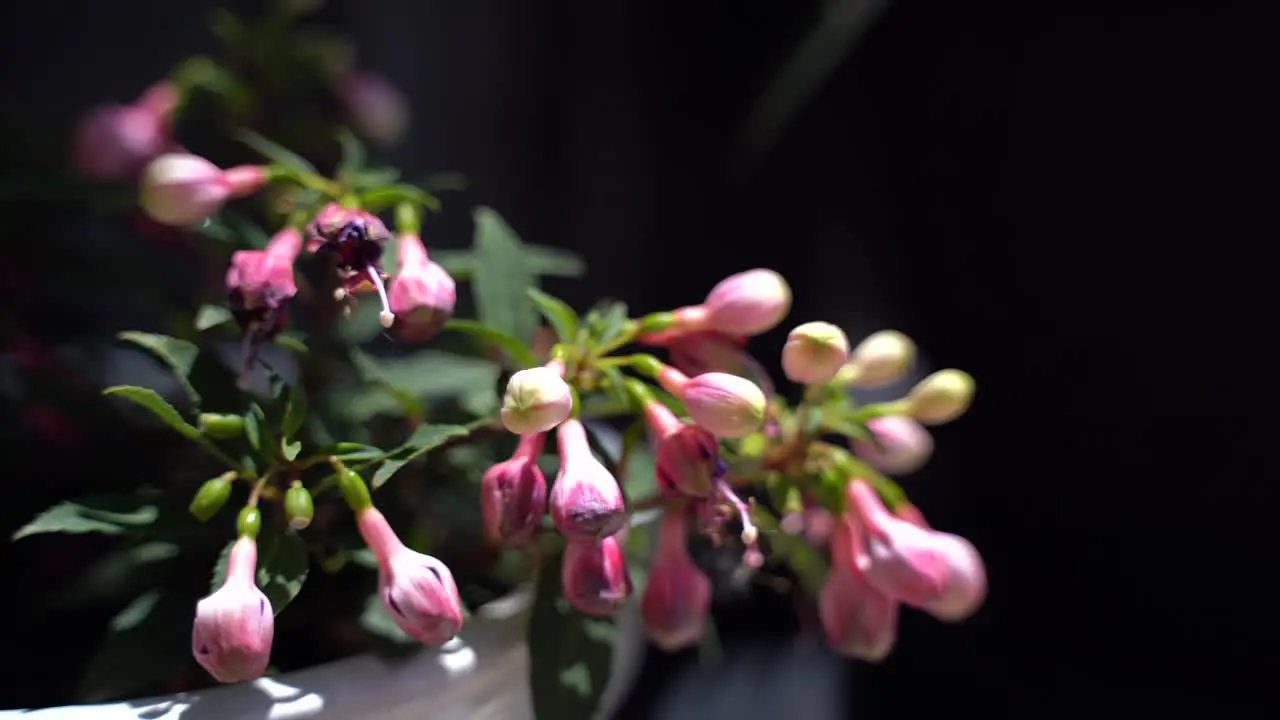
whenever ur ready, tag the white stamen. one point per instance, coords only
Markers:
(340, 294)
(386, 317)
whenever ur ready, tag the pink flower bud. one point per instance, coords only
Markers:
(703, 352)
(937, 572)
(374, 106)
(727, 405)
(112, 143)
(685, 456)
(536, 400)
(941, 397)
(422, 295)
(594, 577)
(677, 598)
(180, 189)
(586, 501)
(814, 353)
(745, 304)
(352, 239)
(904, 445)
(859, 620)
(417, 590)
(513, 494)
(232, 633)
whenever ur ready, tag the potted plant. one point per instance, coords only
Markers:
(328, 466)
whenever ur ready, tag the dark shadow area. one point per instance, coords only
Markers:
(1071, 200)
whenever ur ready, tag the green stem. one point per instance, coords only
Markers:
(217, 452)
(875, 410)
(309, 181)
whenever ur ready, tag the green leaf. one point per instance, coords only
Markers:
(258, 430)
(179, 355)
(145, 643)
(559, 315)
(129, 569)
(502, 274)
(295, 412)
(292, 342)
(234, 229)
(290, 450)
(152, 401)
(614, 384)
(376, 622)
(544, 261)
(573, 653)
(379, 199)
(373, 178)
(275, 152)
(210, 316)
(428, 373)
(283, 565)
(516, 350)
(424, 439)
(606, 322)
(638, 475)
(106, 514)
(353, 155)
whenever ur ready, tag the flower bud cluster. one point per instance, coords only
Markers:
(879, 561)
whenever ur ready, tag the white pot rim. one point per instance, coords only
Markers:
(360, 686)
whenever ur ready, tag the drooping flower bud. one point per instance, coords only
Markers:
(727, 405)
(742, 305)
(353, 239)
(259, 285)
(941, 397)
(685, 455)
(859, 620)
(299, 507)
(937, 572)
(375, 108)
(901, 445)
(879, 359)
(513, 494)
(417, 591)
(112, 143)
(234, 626)
(814, 353)
(677, 598)
(211, 496)
(594, 576)
(181, 189)
(586, 501)
(703, 352)
(422, 295)
(536, 400)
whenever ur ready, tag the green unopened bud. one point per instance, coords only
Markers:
(211, 496)
(354, 490)
(221, 427)
(249, 522)
(814, 353)
(941, 397)
(879, 359)
(299, 508)
(537, 400)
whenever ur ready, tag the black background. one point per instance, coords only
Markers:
(1072, 200)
